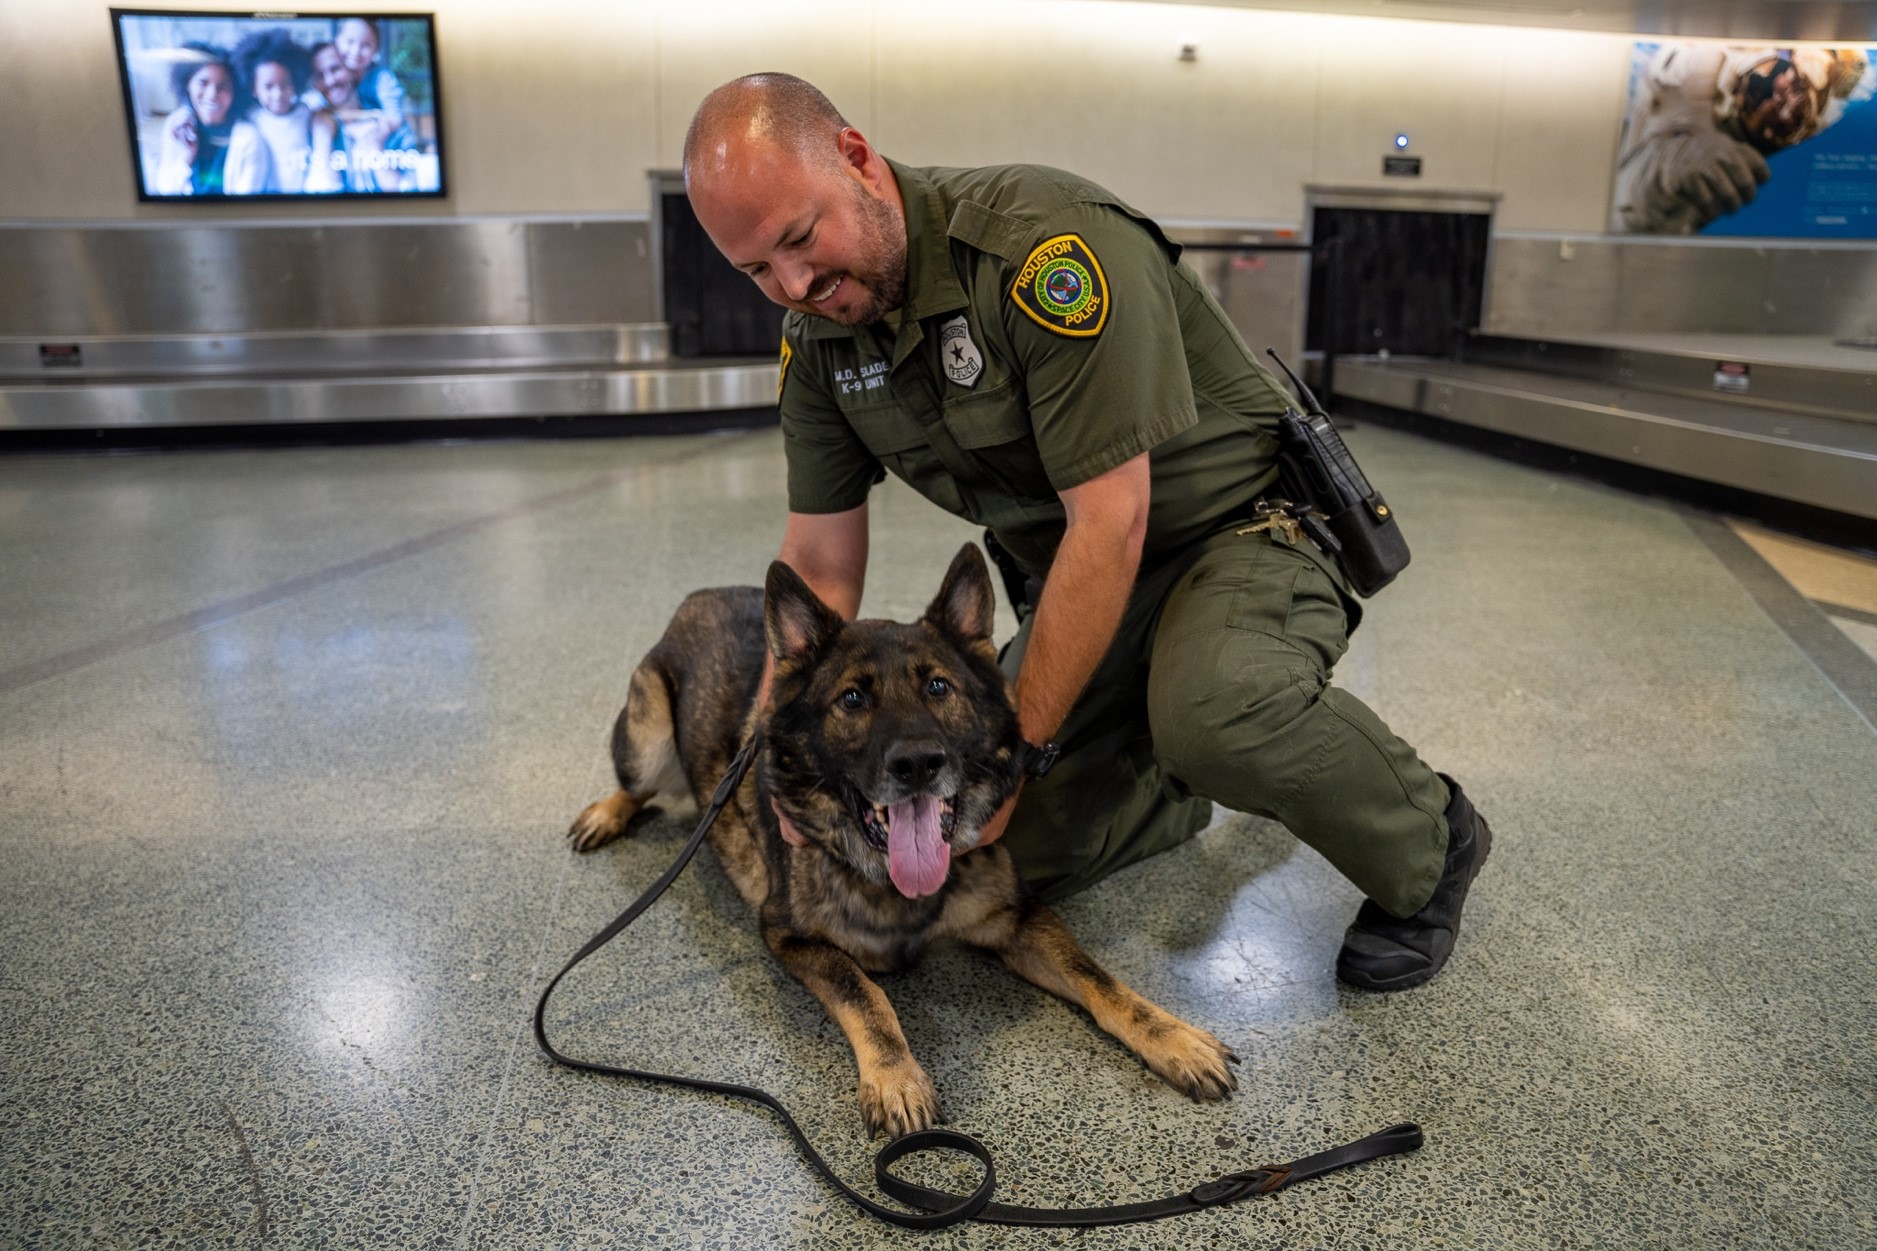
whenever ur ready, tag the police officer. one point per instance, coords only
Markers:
(1021, 348)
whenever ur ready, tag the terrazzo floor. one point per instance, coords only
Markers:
(289, 740)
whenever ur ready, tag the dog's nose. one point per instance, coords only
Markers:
(914, 763)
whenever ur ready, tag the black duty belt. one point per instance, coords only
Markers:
(940, 1208)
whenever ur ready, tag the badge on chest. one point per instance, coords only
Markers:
(964, 364)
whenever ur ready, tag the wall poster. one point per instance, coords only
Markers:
(1748, 141)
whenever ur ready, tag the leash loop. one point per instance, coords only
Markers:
(967, 1208)
(940, 1209)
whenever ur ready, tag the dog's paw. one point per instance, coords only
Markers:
(600, 823)
(1191, 1061)
(898, 1099)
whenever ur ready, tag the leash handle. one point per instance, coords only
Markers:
(1251, 1183)
(940, 1209)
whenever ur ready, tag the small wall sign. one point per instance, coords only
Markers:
(1731, 377)
(1401, 166)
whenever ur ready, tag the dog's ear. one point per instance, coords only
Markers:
(797, 623)
(966, 606)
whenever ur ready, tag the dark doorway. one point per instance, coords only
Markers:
(711, 309)
(1407, 282)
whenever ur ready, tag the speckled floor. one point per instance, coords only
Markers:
(288, 741)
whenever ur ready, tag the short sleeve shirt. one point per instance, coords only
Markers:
(1048, 335)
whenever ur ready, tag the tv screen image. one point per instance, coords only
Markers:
(227, 106)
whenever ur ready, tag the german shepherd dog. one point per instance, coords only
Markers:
(886, 745)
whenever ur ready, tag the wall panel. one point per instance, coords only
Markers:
(216, 279)
(1439, 83)
(474, 273)
(582, 273)
(701, 46)
(548, 107)
(1099, 89)
(64, 151)
(1537, 285)
(563, 106)
(1666, 286)
(71, 281)
(1561, 115)
(1828, 287)
(1569, 284)
(60, 281)
(558, 109)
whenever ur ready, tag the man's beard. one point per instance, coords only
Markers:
(882, 271)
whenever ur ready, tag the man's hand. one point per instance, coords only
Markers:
(993, 829)
(1083, 599)
(790, 835)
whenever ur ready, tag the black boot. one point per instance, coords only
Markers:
(1383, 952)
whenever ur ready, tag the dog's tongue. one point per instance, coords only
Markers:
(917, 858)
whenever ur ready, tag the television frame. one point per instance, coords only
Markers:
(146, 196)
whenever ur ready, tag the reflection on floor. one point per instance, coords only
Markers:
(288, 741)
(1841, 584)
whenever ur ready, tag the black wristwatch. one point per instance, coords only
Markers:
(1037, 761)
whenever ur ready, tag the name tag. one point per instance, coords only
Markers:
(860, 379)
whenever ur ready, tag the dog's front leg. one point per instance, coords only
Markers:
(895, 1093)
(1037, 946)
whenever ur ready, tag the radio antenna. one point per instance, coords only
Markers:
(1310, 400)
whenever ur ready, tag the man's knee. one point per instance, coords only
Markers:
(1247, 721)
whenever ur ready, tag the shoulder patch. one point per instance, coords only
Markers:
(782, 375)
(1061, 288)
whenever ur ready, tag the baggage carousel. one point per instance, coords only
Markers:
(109, 384)
(1784, 416)
(1787, 416)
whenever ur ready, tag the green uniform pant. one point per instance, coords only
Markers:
(1217, 688)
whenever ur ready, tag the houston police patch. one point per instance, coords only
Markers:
(1062, 289)
(964, 364)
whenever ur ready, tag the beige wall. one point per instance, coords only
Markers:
(560, 106)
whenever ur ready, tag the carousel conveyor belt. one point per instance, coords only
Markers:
(1815, 446)
(456, 396)
(445, 375)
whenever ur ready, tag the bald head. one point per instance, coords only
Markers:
(773, 111)
(797, 199)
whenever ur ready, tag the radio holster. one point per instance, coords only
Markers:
(1330, 500)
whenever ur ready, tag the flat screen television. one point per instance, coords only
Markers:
(269, 106)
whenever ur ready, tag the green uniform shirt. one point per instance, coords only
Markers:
(1048, 335)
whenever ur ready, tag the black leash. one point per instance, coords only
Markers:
(940, 1207)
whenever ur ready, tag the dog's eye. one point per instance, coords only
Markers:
(852, 700)
(938, 688)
